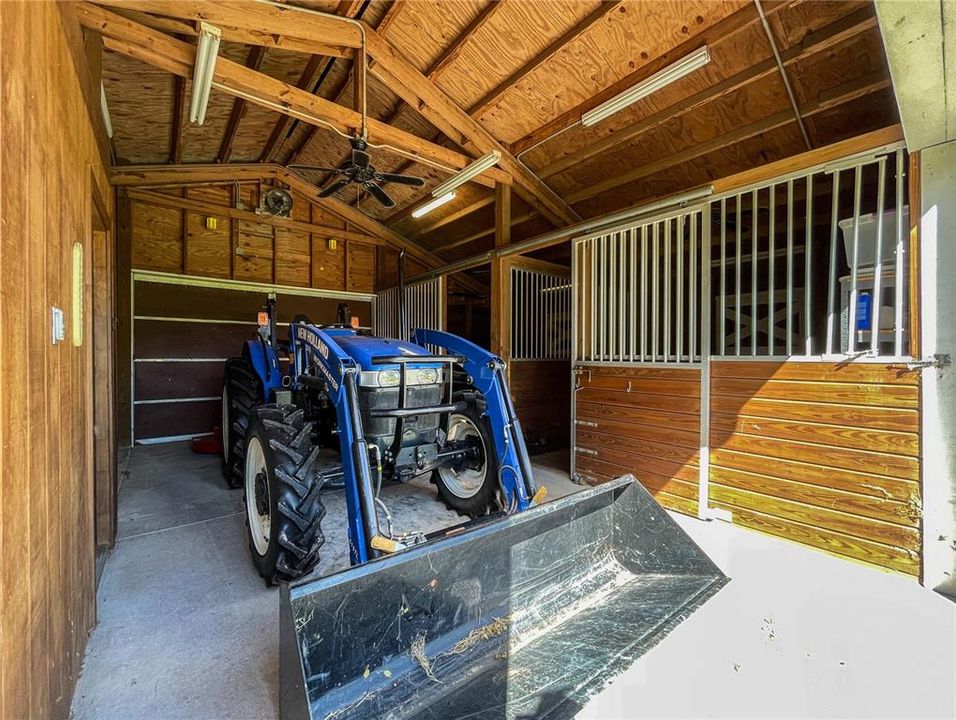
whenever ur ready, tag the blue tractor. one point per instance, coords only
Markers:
(390, 410)
(524, 610)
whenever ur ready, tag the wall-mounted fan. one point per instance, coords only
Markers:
(277, 202)
(359, 170)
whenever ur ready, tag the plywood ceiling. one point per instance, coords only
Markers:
(526, 71)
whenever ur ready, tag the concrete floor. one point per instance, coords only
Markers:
(187, 629)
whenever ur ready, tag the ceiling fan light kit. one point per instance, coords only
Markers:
(207, 51)
(673, 72)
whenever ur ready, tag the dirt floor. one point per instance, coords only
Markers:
(187, 629)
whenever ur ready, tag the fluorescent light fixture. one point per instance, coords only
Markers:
(104, 108)
(207, 50)
(471, 171)
(663, 78)
(429, 206)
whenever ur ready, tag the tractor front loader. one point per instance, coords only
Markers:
(523, 610)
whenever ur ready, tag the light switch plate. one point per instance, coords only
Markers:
(58, 325)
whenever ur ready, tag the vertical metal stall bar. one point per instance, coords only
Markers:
(622, 297)
(575, 292)
(831, 290)
(516, 313)
(552, 315)
(722, 321)
(737, 299)
(632, 297)
(703, 483)
(536, 325)
(602, 308)
(854, 294)
(754, 219)
(655, 292)
(592, 327)
(899, 258)
(807, 275)
(692, 288)
(644, 291)
(612, 298)
(667, 290)
(771, 284)
(679, 314)
(875, 298)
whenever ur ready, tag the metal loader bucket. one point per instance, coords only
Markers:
(523, 617)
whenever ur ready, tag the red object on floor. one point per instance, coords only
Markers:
(208, 444)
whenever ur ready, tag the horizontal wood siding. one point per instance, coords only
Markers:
(823, 454)
(541, 390)
(642, 421)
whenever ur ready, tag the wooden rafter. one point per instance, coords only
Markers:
(495, 94)
(728, 25)
(308, 78)
(126, 37)
(389, 66)
(253, 62)
(846, 28)
(176, 134)
(457, 215)
(838, 96)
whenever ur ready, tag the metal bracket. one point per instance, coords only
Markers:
(938, 361)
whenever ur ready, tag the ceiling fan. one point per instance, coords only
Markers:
(359, 170)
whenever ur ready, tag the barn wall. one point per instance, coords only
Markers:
(823, 454)
(640, 421)
(52, 168)
(541, 390)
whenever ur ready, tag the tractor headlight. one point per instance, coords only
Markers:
(389, 378)
(427, 376)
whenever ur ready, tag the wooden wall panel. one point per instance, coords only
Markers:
(157, 238)
(823, 454)
(293, 262)
(53, 166)
(541, 390)
(360, 264)
(643, 421)
(328, 265)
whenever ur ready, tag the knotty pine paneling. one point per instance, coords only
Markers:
(53, 164)
(823, 454)
(642, 421)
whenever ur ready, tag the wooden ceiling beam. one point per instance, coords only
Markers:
(727, 26)
(457, 215)
(259, 19)
(495, 94)
(515, 220)
(836, 97)
(154, 48)
(846, 28)
(187, 28)
(253, 62)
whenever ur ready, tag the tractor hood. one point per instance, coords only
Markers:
(365, 348)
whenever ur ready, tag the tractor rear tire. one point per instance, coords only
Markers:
(241, 393)
(469, 492)
(283, 501)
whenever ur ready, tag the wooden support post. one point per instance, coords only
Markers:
(913, 297)
(500, 277)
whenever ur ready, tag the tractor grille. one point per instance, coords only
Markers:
(416, 430)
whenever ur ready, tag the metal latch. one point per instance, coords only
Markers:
(938, 361)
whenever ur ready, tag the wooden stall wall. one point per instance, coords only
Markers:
(640, 421)
(52, 168)
(541, 391)
(824, 454)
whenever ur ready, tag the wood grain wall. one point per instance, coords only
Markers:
(643, 421)
(173, 239)
(823, 454)
(52, 166)
(541, 391)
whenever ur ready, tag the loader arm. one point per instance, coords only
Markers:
(312, 345)
(487, 373)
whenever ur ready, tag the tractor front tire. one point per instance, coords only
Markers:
(471, 492)
(241, 393)
(283, 501)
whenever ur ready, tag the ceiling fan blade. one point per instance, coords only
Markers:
(379, 194)
(400, 179)
(334, 188)
(360, 159)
